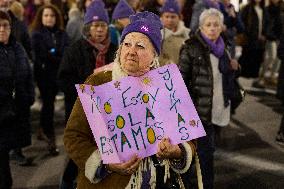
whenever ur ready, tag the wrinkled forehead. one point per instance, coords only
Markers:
(137, 37)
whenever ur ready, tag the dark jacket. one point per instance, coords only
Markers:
(20, 32)
(274, 25)
(250, 20)
(196, 70)
(280, 51)
(48, 48)
(79, 61)
(16, 76)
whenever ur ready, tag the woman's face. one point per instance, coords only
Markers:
(5, 31)
(48, 18)
(211, 27)
(137, 54)
(98, 31)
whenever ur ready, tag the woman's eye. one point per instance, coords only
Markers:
(127, 44)
(140, 46)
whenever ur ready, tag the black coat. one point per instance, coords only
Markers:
(20, 32)
(16, 76)
(196, 70)
(274, 25)
(250, 20)
(79, 61)
(48, 48)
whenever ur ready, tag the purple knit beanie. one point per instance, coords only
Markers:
(95, 12)
(122, 10)
(171, 6)
(147, 23)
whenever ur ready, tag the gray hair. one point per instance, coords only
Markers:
(208, 13)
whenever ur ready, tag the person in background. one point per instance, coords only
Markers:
(153, 6)
(198, 7)
(280, 84)
(31, 7)
(174, 32)
(83, 4)
(254, 18)
(18, 10)
(138, 54)
(135, 4)
(120, 16)
(92, 51)
(186, 12)
(16, 97)
(19, 28)
(209, 72)
(232, 22)
(48, 41)
(75, 24)
(269, 70)
(20, 31)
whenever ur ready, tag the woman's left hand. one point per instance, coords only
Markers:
(168, 151)
(234, 64)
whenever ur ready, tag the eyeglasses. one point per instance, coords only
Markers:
(97, 25)
(5, 26)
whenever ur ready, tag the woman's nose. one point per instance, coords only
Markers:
(132, 50)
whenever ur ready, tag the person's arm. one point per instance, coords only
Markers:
(68, 73)
(185, 64)
(24, 88)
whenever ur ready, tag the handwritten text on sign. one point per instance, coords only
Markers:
(130, 116)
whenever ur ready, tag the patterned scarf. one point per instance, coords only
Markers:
(102, 48)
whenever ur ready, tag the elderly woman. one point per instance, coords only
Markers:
(16, 97)
(208, 72)
(137, 54)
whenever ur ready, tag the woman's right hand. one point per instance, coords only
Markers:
(126, 168)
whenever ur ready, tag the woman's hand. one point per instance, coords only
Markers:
(126, 168)
(234, 64)
(168, 151)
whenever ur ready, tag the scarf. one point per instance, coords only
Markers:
(217, 48)
(102, 48)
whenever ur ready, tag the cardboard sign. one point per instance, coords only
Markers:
(130, 116)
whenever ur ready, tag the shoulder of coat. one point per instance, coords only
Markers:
(99, 78)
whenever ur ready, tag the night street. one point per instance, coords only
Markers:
(246, 157)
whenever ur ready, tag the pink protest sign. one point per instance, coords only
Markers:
(130, 116)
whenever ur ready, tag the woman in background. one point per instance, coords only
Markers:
(48, 42)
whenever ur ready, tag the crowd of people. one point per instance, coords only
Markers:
(53, 45)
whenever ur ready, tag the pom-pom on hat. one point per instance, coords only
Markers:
(122, 10)
(171, 6)
(95, 12)
(147, 23)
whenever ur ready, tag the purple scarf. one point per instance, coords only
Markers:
(216, 48)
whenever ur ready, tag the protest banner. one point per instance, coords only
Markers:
(131, 115)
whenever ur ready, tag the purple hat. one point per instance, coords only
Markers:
(147, 23)
(171, 6)
(122, 10)
(95, 12)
